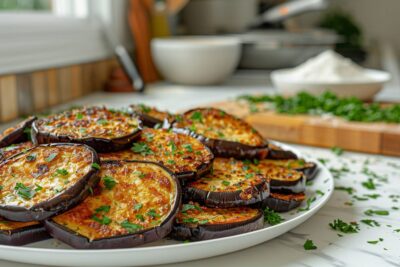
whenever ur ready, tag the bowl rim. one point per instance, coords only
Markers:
(378, 76)
(200, 41)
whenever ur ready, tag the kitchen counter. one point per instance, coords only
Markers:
(348, 204)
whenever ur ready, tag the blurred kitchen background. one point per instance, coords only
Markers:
(55, 51)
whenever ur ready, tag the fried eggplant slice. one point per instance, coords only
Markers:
(151, 116)
(135, 203)
(185, 156)
(12, 150)
(276, 152)
(284, 202)
(195, 222)
(17, 134)
(225, 134)
(308, 168)
(21, 233)
(281, 179)
(231, 183)
(103, 129)
(45, 180)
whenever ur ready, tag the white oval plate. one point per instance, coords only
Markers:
(52, 252)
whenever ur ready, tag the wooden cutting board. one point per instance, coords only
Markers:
(378, 138)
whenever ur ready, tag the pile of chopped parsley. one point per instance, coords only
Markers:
(349, 108)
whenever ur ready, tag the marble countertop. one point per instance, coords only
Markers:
(349, 202)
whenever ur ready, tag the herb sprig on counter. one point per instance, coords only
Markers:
(349, 108)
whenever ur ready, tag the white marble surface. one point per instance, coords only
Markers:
(287, 250)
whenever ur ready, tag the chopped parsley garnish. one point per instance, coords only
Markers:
(102, 121)
(62, 172)
(319, 192)
(142, 148)
(109, 182)
(144, 108)
(102, 219)
(337, 150)
(369, 184)
(51, 157)
(188, 147)
(79, 116)
(226, 183)
(172, 145)
(131, 227)
(349, 190)
(38, 188)
(220, 134)
(1, 187)
(376, 212)
(104, 209)
(308, 204)
(197, 116)
(337, 173)
(149, 137)
(203, 221)
(170, 162)
(138, 206)
(152, 213)
(272, 217)
(140, 217)
(249, 175)
(370, 222)
(186, 207)
(140, 174)
(374, 242)
(24, 191)
(31, 157)
(344, 227)
(96, 166)
(373, 196)
(309, 245)
(190, 220)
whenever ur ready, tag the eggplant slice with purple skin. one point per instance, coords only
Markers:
(21, 233)
(276, 152)
(12, 150)
(185, 156)
(17, 134)
(150, 116)
(308, 168)
(231, 183)
(46, 180)
(135, 203)
(103, 129)
(226, 135)
(283, 202)
(195, 222)
(280, 178)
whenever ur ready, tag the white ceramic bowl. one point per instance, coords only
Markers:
(288, 86)
(196, 60)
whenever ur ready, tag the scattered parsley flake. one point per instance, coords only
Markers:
(272, 217)
(138, 206)
(96, 166)
(338, 151)
(51, 157)
(130, 227)
(24, 191)
(370, 212)
(226, 183)
(371, 223)
(309, 245)
(142, 148)
(344, 227)
(369, 184)
(109, 182)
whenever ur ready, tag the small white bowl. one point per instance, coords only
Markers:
(288, 86)
(196, 60)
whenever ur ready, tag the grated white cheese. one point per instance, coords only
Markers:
(329, 67)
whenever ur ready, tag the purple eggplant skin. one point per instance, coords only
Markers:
(227, 199)
(62, 202)
(280, 154)
(297, 186)
(280, 204)
(310, 172)
(203, 169)
(228, 149)
(17, 135)
(209, 231)
(75, 240)
(101, 145)
(23, 236)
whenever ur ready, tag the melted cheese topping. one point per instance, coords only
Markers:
(131, 197)
(41, 173)
(6, 225)
(228, 175)
(273, 171)
(178, 152)
(194, 214)
(217, 124)
(153, 112)
(12, 150)
(97, 122)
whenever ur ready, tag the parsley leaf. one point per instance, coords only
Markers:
(138, 206)
(140, 217)
(226, 183)
(51, 157)
(96, 166)
(271, 217)
(62, 172)
(376, 212)
(337, 150)
(186, 207)
(197, 116)
(370, 222)
(369, 184)
(152, 213)
(102, 121)
(188, 147)
(142, 148)
(344, 227)
(24, 191)
(308, 204)
(109, 182)
(309, 245)
(79, 116)
(349, 190)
